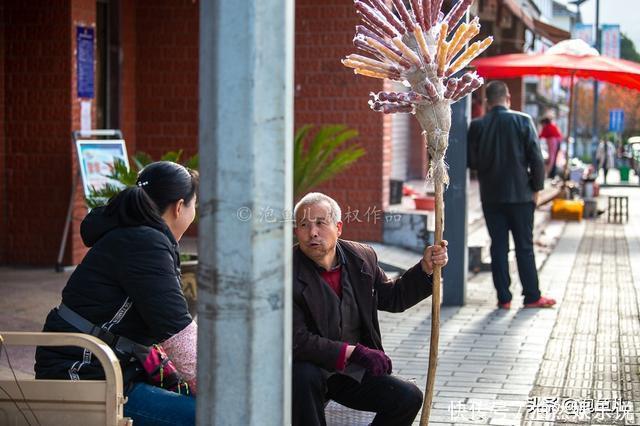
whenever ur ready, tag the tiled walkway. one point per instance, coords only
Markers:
(493, 364)
(590, 368)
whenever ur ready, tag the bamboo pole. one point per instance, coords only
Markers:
(435, 310)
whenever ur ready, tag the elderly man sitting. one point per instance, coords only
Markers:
(338, 288)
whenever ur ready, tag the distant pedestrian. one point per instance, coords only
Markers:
(503, 148)
(551, 133)
(605, 156)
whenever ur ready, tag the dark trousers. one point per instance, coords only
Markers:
(517, 218)
(395, 401)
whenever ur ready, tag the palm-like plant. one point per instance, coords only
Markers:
(127, 177)
(324, 157)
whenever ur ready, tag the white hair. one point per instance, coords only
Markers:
(317, 197)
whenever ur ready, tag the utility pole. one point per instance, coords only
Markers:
(246, 192)
(576, 92)
(596, 84)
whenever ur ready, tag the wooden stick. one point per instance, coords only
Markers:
(435, 310)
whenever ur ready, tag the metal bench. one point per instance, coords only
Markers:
(64, 402)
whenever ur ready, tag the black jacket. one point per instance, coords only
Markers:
(129, 282)
(372, 290)
(503, 147)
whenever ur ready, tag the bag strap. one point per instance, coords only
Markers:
(119, 344)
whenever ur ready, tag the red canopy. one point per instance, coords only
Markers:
(603, 68)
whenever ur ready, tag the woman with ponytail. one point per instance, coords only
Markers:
(128, 285)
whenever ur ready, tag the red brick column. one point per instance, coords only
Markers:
(166, 69)
(328, 93)
(128, 73)
(83, 13)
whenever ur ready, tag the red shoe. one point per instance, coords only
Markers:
(506, 305)
(543, 302)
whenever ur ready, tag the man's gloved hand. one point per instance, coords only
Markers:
(376, 362)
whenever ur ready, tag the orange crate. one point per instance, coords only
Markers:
(567, 209)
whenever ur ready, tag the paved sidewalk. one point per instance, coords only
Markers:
(493, 364)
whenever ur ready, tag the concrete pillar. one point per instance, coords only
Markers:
(244, 277)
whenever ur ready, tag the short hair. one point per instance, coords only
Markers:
(317, 197)
(496, 91)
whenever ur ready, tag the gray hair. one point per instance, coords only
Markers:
(317, 197)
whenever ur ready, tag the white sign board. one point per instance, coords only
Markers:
(96, 159)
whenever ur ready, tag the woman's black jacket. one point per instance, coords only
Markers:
(128, 283)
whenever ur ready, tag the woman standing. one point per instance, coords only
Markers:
(551, 133)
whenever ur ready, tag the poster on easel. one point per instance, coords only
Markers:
(96, 162)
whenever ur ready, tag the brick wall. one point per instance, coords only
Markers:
(37, 144)
(37, 160)
(166, 70)
(326, 92)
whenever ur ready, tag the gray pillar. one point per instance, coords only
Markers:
(455, 203)
(244, 290)
(595, 138)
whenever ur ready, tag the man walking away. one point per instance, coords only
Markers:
(503, 148)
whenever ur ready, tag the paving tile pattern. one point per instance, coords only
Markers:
(590, 372)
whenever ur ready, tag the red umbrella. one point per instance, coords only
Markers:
(603, 68)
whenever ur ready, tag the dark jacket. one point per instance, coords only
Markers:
(372, 290)
(503, 147)
(129, 283)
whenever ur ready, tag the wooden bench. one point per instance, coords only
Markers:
(64, 402)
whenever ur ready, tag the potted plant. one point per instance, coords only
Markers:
(324, 157)
(127, 176)
(424, 201)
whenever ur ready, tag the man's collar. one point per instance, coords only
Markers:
(340, 254)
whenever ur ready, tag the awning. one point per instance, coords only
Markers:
(551, 33)
(519, 13)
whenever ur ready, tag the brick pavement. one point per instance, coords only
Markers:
(591, 360)
(492, 362)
